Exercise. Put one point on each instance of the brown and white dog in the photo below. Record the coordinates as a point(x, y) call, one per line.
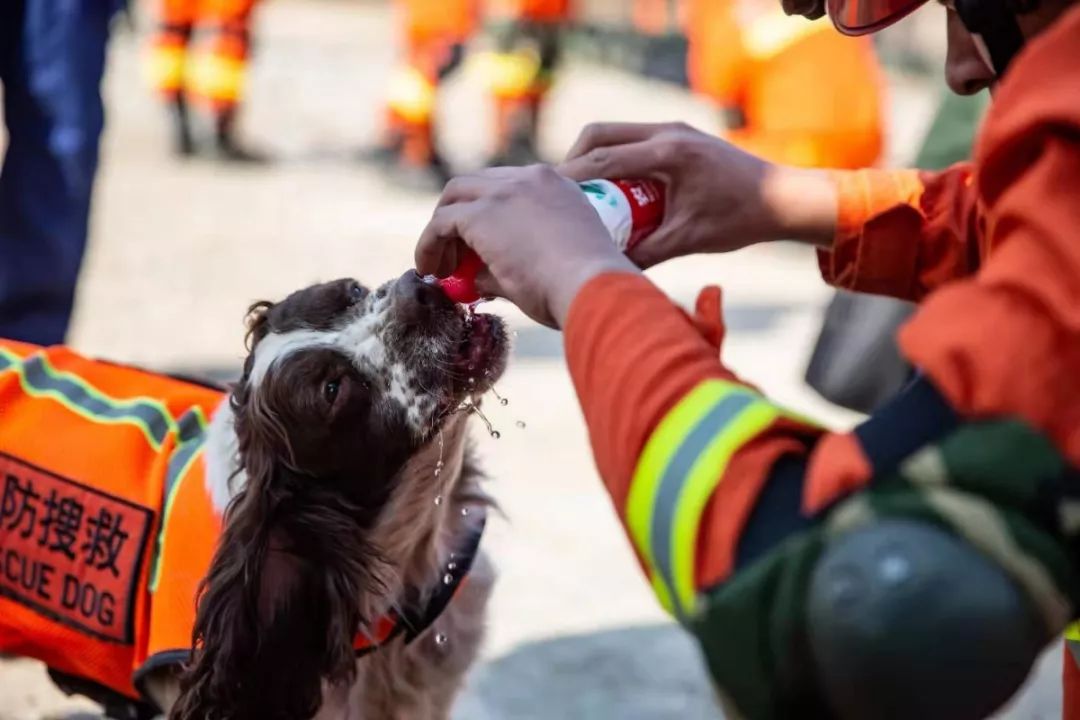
point(353, 501)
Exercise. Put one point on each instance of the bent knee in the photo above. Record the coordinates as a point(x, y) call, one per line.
point(906, 620)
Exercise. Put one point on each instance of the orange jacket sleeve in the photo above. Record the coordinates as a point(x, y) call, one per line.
point(903, 233)
point(1007, 341)
point(634, 356)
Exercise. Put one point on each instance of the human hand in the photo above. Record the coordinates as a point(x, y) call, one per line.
point(538, 236)
point(719, 198)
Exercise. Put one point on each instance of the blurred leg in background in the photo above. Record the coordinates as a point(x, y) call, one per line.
point(520, 72)
point(167, 65)
point(433, 37)
point(52, 56)
point(210, 72)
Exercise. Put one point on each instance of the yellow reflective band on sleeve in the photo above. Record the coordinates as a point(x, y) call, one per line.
point(665, 453)
point(662, 444)
point(1072, 632)
point(698, 487)
point(680, 468)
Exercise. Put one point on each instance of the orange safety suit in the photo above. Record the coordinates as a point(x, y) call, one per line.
point(430, 33)
point(215, 73)
point(520, 71)
point(992, 249)
point(768, 70)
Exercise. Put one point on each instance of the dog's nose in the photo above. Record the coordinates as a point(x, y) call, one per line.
point(414, 297)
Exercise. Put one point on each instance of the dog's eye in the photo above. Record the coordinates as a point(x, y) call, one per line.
point(357, 293)
point(330, 390)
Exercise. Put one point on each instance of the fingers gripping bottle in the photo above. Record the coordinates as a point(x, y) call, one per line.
point(630, 210)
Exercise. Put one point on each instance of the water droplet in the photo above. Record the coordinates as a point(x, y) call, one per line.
point(496, 434)
point(451, 566)
point(440, 639)
point(447, 579)
point(504, 402)
point(520, 424)
point(472, 366)
point(487, 423)
point(440, 463)
point(437, 471)
point(464, 511)
point(438, 499)
point(472, 381)
point(453, 555)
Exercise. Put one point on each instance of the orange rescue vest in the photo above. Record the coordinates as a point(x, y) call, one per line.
point(107, 525)
point(99, 464)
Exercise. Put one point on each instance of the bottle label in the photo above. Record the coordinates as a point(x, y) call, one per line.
point(646, 199)
point(629, 209)
point(614, 209)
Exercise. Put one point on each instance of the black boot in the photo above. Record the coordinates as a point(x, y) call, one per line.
point(430, 177)
point(183, 141)
point(227, 147)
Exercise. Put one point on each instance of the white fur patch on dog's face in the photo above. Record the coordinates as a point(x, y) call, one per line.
point(362, 337)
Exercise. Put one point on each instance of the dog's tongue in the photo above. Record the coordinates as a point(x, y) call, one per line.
point(460, 286)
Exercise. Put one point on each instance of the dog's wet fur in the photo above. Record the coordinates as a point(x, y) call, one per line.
point(327, 455)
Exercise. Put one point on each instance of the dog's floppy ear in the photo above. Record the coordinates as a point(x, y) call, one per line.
point(257, 321)
point(278, 609)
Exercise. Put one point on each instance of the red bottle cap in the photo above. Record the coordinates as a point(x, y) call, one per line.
point(460, 286)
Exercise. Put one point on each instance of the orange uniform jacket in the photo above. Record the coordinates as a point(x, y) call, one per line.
point(437, 21)
point(995, 246)
point(808, 96)
point(106, 526)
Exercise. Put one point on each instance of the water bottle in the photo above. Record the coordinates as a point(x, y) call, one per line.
point(630, 210)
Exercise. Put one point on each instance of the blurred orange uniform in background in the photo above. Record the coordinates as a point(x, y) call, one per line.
point(213, 74)
point(517, 71)
point(432, 34)
point(765, 67)
point(527, 51)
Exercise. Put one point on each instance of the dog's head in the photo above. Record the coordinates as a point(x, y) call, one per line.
point(341, 387)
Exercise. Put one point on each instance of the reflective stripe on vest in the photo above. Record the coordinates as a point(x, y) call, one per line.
point(39, 379)
point(189, 443)
point(681, 466)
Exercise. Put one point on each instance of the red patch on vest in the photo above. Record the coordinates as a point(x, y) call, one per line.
point(70, 552)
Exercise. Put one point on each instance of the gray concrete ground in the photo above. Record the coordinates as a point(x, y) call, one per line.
point(181, 248)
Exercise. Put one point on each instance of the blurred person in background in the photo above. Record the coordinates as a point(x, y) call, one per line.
point(432, 39)
point(521, 68)
point(211, 72)
point(917, 565)
point(517, 69)
point(52, 57)
point(763, 69)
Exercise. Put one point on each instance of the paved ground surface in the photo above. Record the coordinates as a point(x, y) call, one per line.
point(181, 248)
